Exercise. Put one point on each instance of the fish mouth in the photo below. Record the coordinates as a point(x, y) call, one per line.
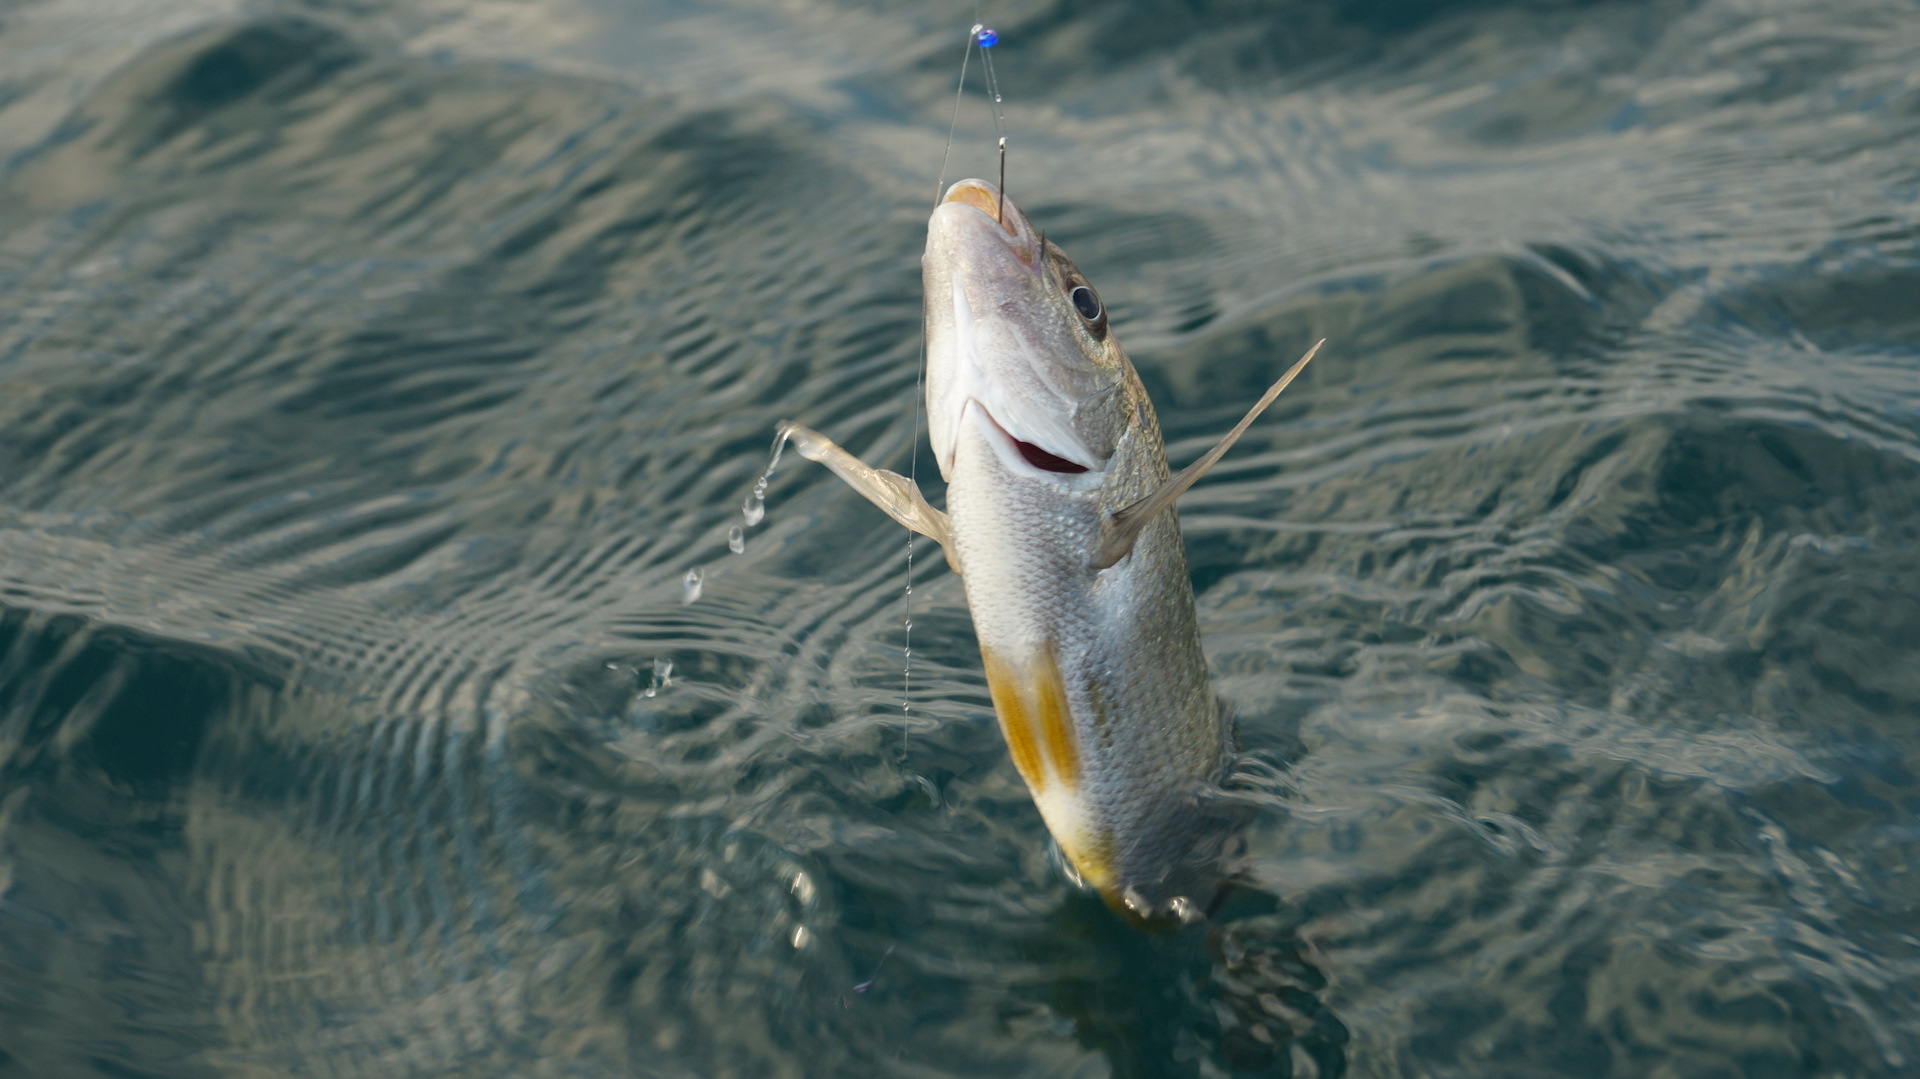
point(979, 195)
point(988, 201)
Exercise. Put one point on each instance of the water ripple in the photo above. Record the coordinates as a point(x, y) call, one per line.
point(370, 381)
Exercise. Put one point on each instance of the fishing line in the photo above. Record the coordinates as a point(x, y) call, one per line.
point(959, 92)
point(986, 38)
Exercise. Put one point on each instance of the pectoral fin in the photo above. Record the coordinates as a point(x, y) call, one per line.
point(895, 494)
point(1122, 528)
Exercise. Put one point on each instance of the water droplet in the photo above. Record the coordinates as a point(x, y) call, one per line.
point(662, 675)
point(754, 509)
point(801, 936)
point(690, 585)
point(736, 540)
point(987, 38)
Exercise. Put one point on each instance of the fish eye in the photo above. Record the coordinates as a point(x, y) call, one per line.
point(1085, 301)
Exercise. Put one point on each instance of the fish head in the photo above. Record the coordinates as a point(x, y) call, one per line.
point(1017, 335)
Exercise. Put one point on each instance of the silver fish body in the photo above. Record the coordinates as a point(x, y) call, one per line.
point(1096, 675)
point(1060, 521)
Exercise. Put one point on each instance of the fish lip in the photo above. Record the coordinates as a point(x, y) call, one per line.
point(982, 198)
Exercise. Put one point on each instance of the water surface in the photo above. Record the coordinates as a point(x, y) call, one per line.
point(372, 376)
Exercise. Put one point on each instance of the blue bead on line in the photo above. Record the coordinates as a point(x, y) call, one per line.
point(987, 38)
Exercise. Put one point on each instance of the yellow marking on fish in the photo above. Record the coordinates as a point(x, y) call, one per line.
point(1056, 720)
point(1010, 704)
point(1090, 848)
point(1031, 701)
point(1095, 864)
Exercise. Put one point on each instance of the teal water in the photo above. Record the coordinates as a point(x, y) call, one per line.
point(371, 376)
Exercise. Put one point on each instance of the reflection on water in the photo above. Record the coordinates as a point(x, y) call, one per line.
point(383, 690)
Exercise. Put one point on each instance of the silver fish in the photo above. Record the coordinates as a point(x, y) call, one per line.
point(1060, 522)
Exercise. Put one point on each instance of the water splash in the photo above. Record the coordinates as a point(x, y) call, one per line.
point(753, 508)
point(662, 676)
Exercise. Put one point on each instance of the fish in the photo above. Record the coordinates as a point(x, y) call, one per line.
point(1060, 521)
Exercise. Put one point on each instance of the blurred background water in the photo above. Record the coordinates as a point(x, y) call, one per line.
point(372, 375)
